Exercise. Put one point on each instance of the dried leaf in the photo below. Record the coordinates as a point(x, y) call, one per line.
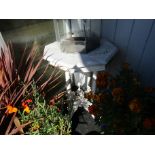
point(18, 125)
point(16, 130)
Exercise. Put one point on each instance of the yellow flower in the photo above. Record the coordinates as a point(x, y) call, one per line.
point(11, 109)
point(27, 109)
point(25, 106)
point(35, 127)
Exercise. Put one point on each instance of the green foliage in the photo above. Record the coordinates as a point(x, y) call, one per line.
point(46, 119)
point(16, 78)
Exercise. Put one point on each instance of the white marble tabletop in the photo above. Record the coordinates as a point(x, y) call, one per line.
point(97, 58)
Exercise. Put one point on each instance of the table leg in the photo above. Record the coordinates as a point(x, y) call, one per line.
point(68, 80)
point(87, 81)
point(94, 78)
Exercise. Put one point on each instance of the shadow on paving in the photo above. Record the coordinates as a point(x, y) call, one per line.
point(83, 123)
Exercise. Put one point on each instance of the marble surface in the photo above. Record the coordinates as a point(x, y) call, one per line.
point(97, 57)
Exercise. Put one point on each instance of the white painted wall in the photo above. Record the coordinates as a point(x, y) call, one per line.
point(136, 41)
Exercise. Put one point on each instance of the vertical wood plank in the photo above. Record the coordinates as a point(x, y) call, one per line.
point(152, 80)
point(123, 33)
point(108, 29)
point(137, 42)
point(147, 66)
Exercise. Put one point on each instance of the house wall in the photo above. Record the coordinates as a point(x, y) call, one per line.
point(136, 41)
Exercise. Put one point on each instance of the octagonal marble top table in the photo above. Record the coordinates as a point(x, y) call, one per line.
point(86, 63)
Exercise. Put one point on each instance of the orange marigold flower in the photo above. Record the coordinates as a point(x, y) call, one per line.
point(104, 83)
point(118, 95)
point(135, 105)
point(153, 121)
point(11, 109)
point(117, 92)
point(102, 79)
point(27, 109)
point(98, 83)
point(24, 105)
point(105, 75)
point(126, 66)
point(149, 90)
point(89, 95)
point(147, 123)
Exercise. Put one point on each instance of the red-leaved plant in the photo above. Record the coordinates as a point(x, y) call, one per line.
point(16, 79)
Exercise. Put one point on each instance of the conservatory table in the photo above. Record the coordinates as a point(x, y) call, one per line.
point(87, 63)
